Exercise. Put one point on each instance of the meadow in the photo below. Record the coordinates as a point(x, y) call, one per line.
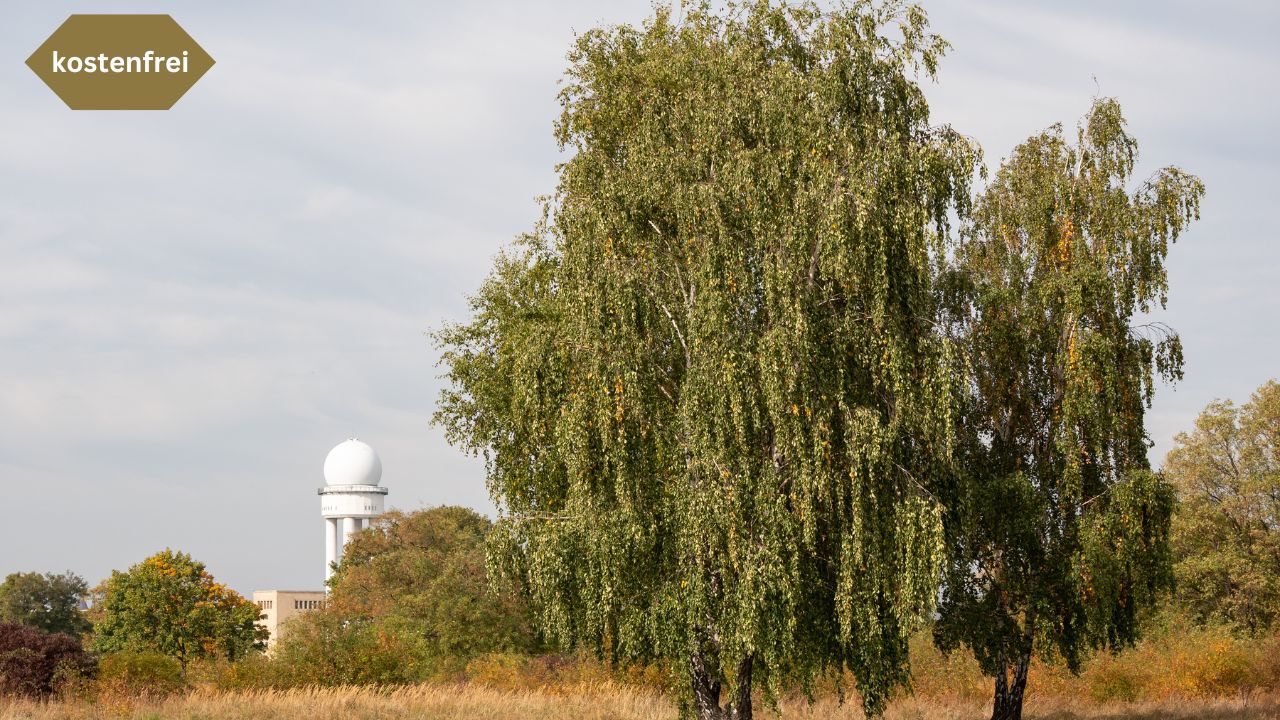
point(1181, 671)
point(600, 702)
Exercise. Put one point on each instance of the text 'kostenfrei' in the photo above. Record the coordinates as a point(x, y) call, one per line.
point(147, 62)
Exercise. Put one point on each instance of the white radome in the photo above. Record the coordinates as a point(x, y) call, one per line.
point(352, 462)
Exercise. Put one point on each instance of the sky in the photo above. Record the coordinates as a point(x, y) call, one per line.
point(196, 305)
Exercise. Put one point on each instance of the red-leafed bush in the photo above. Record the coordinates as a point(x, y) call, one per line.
point(30, 659)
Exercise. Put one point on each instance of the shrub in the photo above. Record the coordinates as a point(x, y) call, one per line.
point(143, 673)
point(255, 671)
point(31, 660)
point(1179, 660)
point(324, 648)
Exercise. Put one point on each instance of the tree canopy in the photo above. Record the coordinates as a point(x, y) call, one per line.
point(1057, 530)
point(409, 601)
point(1226, 534)
point(428, 568)
point(170, 604)
point(45, 601)
point(710, 386)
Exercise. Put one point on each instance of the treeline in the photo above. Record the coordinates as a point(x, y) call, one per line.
point(412, 602)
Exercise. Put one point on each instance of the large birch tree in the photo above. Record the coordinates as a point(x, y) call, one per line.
point(710, 387)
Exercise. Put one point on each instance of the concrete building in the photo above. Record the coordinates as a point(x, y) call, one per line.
point(350, 498)
point(279, 606)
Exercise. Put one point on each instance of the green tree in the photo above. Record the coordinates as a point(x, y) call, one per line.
point(170, 604)
point(426, 570)
point(709, 386)
point(409, 601)
point(1058, 532)
point(1226, 533)
point(45, 601)
point(323, 647)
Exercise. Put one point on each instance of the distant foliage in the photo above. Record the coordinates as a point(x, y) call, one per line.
point(31, 660)
point(410, 600)
point(171, 605)
point(45, 601)
point(1227, 530)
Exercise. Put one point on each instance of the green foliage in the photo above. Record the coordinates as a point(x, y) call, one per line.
point(1176, 659)
point(1124, 561)
point(410, 601)
point(426, 570)
point(255, 671)
point(324, 648)
point(709, 386)
point(1057, 530)
point(1227, 530)
point(139, 673)
point(169, 604)
point(45, 601)
point(31, 660)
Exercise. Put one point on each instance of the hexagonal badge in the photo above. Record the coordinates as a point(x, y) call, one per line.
point(120, 62)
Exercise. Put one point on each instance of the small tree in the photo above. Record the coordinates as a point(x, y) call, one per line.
point(1226, 533)
point(45, 601)
point(1058, 532)
point(409, 601)
point(31, 659)
point(169, 604)
point(426, 569)
point(712, 391)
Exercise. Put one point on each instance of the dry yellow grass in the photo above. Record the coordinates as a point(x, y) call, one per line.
point(602, 702)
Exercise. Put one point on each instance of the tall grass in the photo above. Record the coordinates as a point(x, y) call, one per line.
point(1179, 662)
point(1181, 671)
point(601, 702)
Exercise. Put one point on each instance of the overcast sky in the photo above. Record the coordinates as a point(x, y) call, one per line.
point(196, 305)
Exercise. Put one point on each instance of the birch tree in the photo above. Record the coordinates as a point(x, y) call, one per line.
point(1057, 531)
point(710, 386)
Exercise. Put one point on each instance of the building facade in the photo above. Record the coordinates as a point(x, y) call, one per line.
point(280, 606)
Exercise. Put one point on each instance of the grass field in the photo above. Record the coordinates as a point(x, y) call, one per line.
point(1179, 672)
point(607, 702)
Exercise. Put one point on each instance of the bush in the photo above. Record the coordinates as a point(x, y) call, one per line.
point(140, 674)
point(1178, 660)
point(32, 660)
point(324, 648)
point(255, 671)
